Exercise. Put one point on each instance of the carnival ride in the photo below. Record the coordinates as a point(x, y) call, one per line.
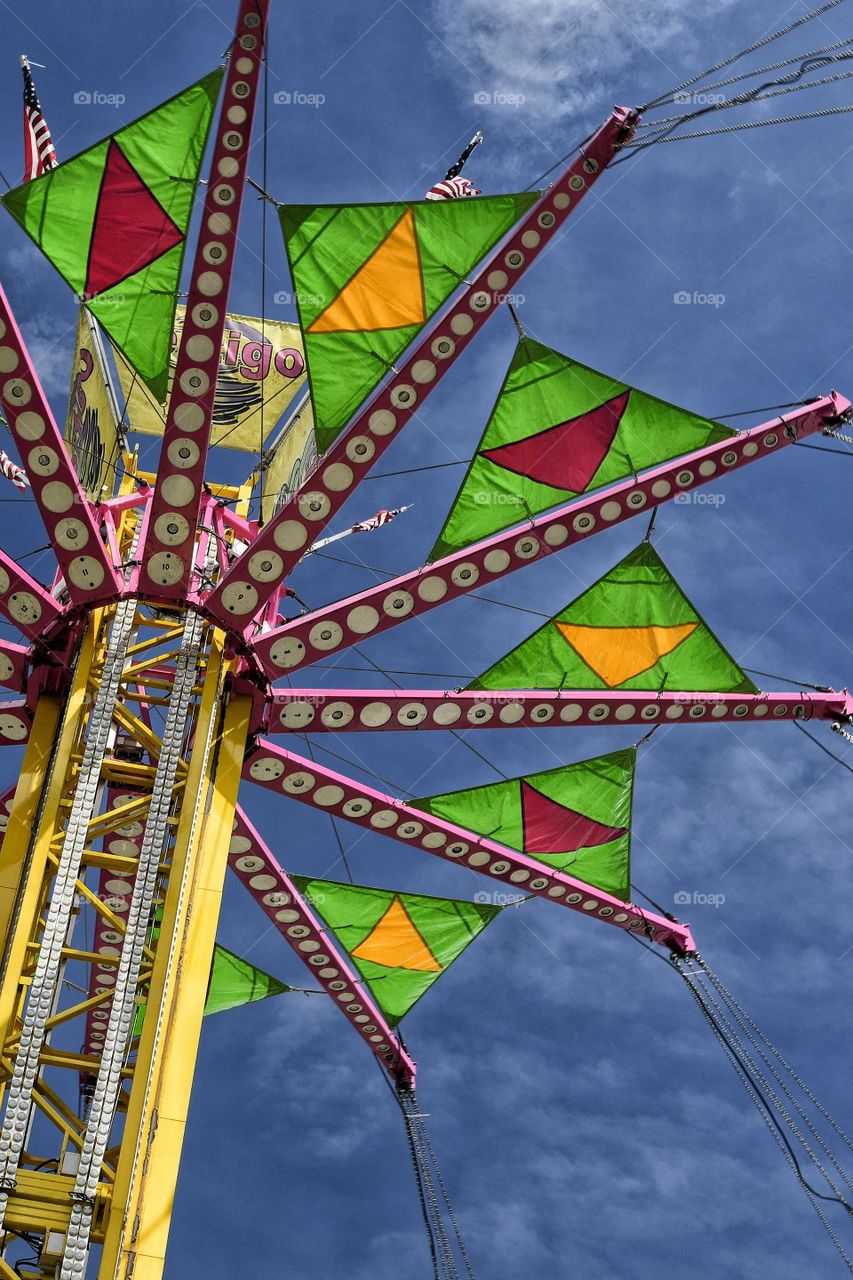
point(149, 689)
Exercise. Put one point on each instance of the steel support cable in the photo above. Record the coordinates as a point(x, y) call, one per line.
point(744, 1049)
point(443, 1264)
point(757, 1041)
point(48, 965)
point(684, 968)
point(744, 53)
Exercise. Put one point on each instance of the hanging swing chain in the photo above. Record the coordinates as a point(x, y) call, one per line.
point(768, 1089)
point(421, 1198)
point(757, 1082)
point(744, 53)
point(416, 1129)
point(769, 1120)
point(425, 1161)
point(735, 1005)
point(757, 71)
point(448, 1205)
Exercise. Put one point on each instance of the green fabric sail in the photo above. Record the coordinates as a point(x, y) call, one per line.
point(113, 220)
point(234, 982)
point(367, 278)
point(399, 942)
point(559, 429)
point(633, 629)
point(575, 818)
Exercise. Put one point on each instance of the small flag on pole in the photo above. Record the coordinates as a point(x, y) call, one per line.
point(39, 154)
point(453, 187)
point(362, 526)
point(13, 472)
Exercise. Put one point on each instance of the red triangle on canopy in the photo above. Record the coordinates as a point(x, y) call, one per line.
point(565, 456)
point(131, 227)
point(550, 827)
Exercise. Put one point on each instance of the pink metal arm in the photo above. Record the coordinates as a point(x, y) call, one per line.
point(13, 665)
point(245, 590)
point(348, 710)
point(253, 862)
point(15, 723)
point(334, 793)
point(348, 621)
point(167, 552)
point(24, 601)
point(65, 510)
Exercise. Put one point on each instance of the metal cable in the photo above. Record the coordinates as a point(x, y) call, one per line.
point(772, 1047)
point(738, 128)
point(765, 1114)
point(760, 71)
point(744, 53)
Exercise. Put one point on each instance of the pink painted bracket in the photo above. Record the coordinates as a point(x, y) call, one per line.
point(313, 784)
point(348, 621)
point(248, 586)
point(16, 721)
point(167, 553)
point(13, 665)
point(25, 602)
point(372, 710)
point(65, 510)
point(255, 865)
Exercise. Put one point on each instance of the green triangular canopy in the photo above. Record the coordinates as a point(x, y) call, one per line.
point(558, 429)
point(399, 942)
point(633, 629)
point(575, 818)
point(368, 277)
point(234, 982)
point(113, 221)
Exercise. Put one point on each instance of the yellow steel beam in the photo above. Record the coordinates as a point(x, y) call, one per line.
point(138, 1224)
point(24, 859)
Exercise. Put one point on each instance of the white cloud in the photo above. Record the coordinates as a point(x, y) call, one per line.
point(561, 55)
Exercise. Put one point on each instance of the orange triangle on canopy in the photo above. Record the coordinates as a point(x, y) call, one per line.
point(616, 654)
point(395, 942)
point(387, 290)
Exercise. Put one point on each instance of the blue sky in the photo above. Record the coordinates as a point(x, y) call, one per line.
point(585, 1118)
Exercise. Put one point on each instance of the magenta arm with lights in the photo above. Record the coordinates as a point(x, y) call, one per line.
point(257, 574)
point(255, 865)
point(348, 621)
point(334, 793)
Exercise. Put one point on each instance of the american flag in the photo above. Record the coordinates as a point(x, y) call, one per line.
point(39, 154)
point(453, 187)
point(13, 472)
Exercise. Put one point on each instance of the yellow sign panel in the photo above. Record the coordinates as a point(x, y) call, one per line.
point(294, 457)
point(261, 369)
point(90, 427)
